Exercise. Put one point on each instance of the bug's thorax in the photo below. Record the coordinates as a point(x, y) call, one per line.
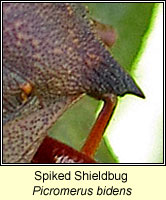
point(51, 56)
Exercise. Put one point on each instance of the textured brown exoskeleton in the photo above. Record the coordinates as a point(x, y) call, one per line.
point(51, 57)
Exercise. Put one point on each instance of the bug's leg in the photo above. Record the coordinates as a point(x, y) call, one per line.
point(106, 32)
point(99, 127)
point(53, 151)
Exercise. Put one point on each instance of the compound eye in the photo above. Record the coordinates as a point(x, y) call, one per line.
point(26, 90)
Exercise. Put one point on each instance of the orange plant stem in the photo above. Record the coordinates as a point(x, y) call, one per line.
point(99, 127)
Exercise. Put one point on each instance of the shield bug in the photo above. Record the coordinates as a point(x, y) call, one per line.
point(52, 56)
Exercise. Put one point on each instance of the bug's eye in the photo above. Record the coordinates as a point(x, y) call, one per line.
point(26, 90)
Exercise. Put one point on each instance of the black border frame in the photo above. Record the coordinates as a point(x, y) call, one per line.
point(97, 164)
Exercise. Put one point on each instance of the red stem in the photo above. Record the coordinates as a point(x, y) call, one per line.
point(99, 127)
point(53, 151)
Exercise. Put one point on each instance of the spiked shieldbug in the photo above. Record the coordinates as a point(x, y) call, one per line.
point(52, 56)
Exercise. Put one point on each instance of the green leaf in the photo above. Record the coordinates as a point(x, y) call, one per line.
point(131, 21)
